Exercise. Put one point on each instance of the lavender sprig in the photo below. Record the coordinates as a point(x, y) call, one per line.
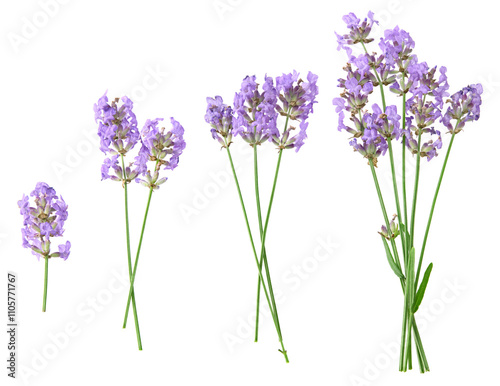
point(254, 118)
point(42, 222)
point(117, 129)
point(423, 90)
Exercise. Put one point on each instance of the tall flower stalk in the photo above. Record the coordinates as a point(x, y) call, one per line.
point(424, 92)
point(42, 222)
point(254, 118)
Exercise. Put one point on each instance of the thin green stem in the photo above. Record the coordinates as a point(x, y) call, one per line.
point(424, 366)
point(403, 281)
point(409, 304)
point(405, 202)
point(45, 282)
point(403, 337)
point(396, 196)
point(384, 212)
point(261, 230)
point(415, 190)
point(433, 206)
point(264, 257)
point(403, 158)
point(129, 259)
point(254, 250)
point(132, 280)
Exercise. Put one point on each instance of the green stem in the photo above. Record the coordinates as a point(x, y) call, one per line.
point(405, 202)
point(403, 337)
point(403, 284)
point(254, 250)
point(129, 259)
point(384, 212)
point(264, 257)
point(132, 279)
point(261, 230)
point(424, 366)
point(410, 269)
point(433, 205)
point(405, 206)
point(45, 282)
point(396, 195)
point(415, 191)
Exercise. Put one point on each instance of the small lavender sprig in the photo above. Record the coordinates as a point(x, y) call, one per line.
point(117, 129)
point(42, 222)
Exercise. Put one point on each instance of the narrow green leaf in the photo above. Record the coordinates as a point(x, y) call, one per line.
point(390, 259)
point(421, 290)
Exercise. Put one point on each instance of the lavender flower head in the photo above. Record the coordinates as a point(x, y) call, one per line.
point(257, 114)
point(297, 100)
point(43, 221)
point(119, 134)
point(220, 117)
point(160, 147)
point(358, 31)
point(397, 46)
point(117, 125)
point(464, 107)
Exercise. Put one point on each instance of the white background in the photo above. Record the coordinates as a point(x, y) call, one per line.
point(196, 280)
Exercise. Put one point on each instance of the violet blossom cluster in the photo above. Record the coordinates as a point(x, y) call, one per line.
point(119, 134)
point(44, 221)
point(464, 107)
point(424, 88)
point(254, 116)
point(160, 147)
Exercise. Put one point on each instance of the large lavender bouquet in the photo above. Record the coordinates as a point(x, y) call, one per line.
point(119, 134)
point(41, 223)
point(422, 93)
point(254, 118)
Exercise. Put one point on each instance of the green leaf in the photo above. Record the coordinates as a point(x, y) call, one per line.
point(390, 259)
point(421, 290)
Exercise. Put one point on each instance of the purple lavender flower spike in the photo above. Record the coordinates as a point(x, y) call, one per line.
point(160, 147)
point(256, 113)
point(297, 101)
point(118, 132)
point(43, 221)
point(397, 46)
point(358, 31)
point(117, 125)
point(221, 118)
point(464, 107)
